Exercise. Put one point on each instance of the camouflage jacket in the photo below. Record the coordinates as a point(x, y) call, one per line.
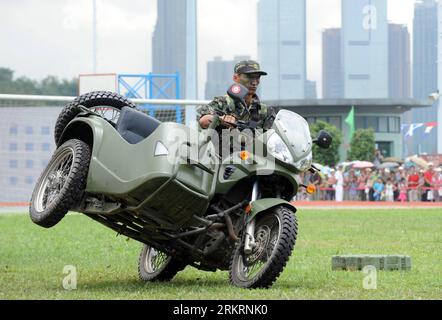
point(256, 111)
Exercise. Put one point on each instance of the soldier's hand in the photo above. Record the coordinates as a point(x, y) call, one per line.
point(229, 120)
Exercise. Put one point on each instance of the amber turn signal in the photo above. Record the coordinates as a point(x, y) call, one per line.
point(311, 189)
point(244, 155)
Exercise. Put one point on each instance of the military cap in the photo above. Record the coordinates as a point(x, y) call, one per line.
point(248, 66)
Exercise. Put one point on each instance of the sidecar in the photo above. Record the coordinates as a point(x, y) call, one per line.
point(138, 166)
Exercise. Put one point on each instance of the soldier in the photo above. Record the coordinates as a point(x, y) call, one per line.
point(248, 74)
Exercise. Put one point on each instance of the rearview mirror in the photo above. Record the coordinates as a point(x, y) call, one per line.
point(237, 91)
point(323, 140)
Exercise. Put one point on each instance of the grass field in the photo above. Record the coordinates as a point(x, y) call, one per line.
point(32, 260)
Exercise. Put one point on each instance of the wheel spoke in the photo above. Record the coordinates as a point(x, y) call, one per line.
point(155, 260)
point(55, 179)
point(109, 113)
point(266, 237)
point(67, 165)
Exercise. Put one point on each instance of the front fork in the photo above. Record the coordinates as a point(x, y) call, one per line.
point(249, 242)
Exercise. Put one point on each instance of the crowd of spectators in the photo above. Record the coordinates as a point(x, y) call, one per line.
point(371, 184)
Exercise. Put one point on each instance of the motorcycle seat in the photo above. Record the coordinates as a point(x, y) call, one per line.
point(134, 126)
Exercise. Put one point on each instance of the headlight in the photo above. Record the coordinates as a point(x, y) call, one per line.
point(304, 164)
point(279, 149)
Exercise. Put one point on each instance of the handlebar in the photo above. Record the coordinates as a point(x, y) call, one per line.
point(242, 125)
point(314, 169)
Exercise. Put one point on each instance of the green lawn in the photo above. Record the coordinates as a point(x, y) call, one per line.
point(32, 260)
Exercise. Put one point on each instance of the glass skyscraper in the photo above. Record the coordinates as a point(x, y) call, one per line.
point(332, 86)
point(364, 52)
point(399, 62)
point(220, 76)
point(282, 48)
point(174, 43)
point(424, 76)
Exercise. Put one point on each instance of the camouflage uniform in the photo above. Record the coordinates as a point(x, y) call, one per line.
point(257, 112)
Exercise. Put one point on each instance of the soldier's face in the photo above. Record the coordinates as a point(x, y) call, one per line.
point(250, 81)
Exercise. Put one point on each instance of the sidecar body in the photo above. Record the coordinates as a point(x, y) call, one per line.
point(144, 165)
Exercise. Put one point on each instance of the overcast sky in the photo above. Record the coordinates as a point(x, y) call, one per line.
point(54, 37)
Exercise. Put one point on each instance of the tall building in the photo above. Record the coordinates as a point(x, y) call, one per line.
point(424, 76)
point(174, 44)
point(282, 48)
point(399, 62)
point(424, 48)
point(364, 48)
point(219, 75)
point(310, 90)
point(332, 85)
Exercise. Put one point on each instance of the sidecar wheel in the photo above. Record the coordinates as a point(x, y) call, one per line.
point(275, 237)
point(155, 265)
point(106, 103)
point(61, 185)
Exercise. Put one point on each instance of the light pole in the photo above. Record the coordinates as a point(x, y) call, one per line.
point(94, 36)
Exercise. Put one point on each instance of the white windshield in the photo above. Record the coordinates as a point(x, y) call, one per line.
point(294, 130)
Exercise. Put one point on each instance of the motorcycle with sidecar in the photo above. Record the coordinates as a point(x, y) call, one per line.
point(165, 185)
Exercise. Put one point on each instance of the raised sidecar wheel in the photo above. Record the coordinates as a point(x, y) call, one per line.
point(275, 237)
point(155, 265)
point(106, 103)
point(61, 185)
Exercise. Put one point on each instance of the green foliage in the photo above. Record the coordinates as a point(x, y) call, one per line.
point(48, 86)
point(330, 156)
point(362, 145)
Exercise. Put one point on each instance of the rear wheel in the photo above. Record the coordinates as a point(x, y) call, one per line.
point(155, 265)
point(107, 104)
point(275, 237)
point(61, 185)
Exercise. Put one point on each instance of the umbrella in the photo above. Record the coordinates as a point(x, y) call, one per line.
point(346, 165)
point(419, 161)
point(362, 164)
point(393, 159)
point(388, 165)
point(410, 164)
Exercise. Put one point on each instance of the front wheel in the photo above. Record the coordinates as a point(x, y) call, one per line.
point(61, 185)
point(155, 265)
point(275, 237)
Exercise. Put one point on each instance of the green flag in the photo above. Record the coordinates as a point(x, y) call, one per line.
point(350, 120)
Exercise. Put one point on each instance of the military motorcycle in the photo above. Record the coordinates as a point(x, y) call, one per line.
point(165, 185)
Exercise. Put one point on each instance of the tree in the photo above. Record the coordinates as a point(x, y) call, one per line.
point(6, 80)
point(330, 156)
point(48, 86)
point(362, 145)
